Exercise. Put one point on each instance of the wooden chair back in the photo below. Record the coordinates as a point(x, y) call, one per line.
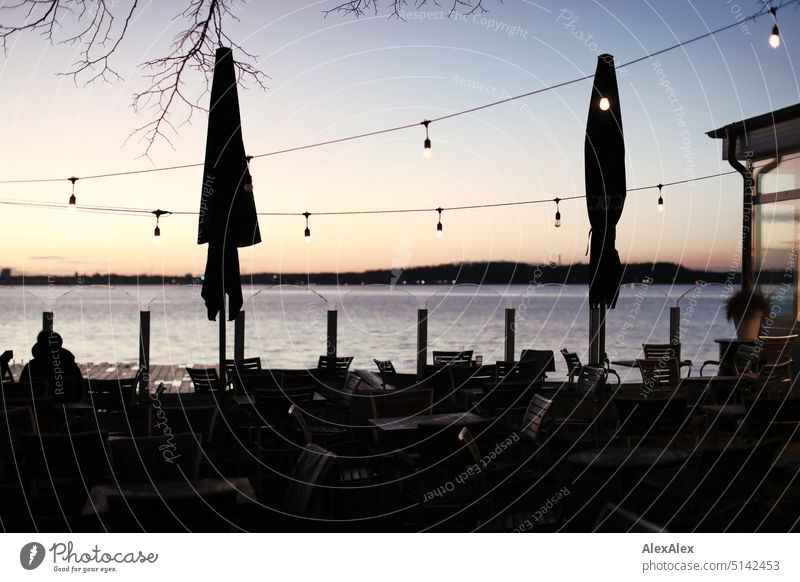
point(302, 424)
point(157, 459)
point(776, 349)
point(5, 368)
point(76, 455)
point(25, 391)
point(591, 379)
point(204, 379)
point(661, 351)
point(307, 481)
point(236, 368)
point(459, 358)
point(661, 372)
point(387, 371)
point(111, 395)
point(573, 362)
point(527, 372)
point(534, 416)
point(545, 357)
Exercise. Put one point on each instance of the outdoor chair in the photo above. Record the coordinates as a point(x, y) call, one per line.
point(390, 376)
point(587, 413)
point(545, 358)
point(336, 367)
point(524, 372)
point(459, 358)
point(659, 373)
point(316, 433)
point(574, 366)
point(113, 403)
point(5, 368)
point(773, 417)
point(235, 369)
point(204, 379)
point(61, 468)
point(753, 377)
point(144, 459)
point(534, 417)
point(666, 351)
point(307, 494)
point(33, 395)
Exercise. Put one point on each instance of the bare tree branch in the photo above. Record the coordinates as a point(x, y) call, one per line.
point(99, 34)
point(359, 8)
point(193, 49)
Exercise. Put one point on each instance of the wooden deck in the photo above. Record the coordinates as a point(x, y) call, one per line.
point(174, 376)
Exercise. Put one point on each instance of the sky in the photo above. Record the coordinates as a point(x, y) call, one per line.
point(339, 75)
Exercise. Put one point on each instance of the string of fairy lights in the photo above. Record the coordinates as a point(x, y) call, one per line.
point(603, 104)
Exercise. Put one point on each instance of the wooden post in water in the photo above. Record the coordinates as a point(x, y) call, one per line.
point(422, 341)
point(333, 331)
point(238, 336)
point(675, 326)
point(144, 353)
point(511, 316)
point(47, 320)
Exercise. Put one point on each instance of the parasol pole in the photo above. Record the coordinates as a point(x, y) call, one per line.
point(222, 380)
point(597, 335)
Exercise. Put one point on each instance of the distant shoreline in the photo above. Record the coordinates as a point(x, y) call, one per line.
point(496, 273)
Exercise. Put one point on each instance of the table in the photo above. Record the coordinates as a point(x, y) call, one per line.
point(613, 458)
point(249, 398)
point(626, 363)
point(401, 423)
point(98, 497)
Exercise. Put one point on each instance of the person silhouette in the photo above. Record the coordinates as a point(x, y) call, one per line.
point(55, 365)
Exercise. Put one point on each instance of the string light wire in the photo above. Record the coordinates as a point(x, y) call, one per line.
point(737, 23)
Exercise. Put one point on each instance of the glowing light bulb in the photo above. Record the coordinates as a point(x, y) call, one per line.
point(426, 152)
point(71, 207)
point(558, 219)
point(660, 204)
point(307, 236)
point(157, 236)
point(439, 231)
point(775, 37)
point(605, 104)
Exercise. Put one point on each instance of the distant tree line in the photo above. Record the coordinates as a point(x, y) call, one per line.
point(494, 273)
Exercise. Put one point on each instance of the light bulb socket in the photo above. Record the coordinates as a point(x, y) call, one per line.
point(307, 233)
point(775, 37)
point(72, 200)
point(157, 231)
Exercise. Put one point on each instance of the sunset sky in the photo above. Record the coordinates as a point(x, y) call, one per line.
point(335, 76)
